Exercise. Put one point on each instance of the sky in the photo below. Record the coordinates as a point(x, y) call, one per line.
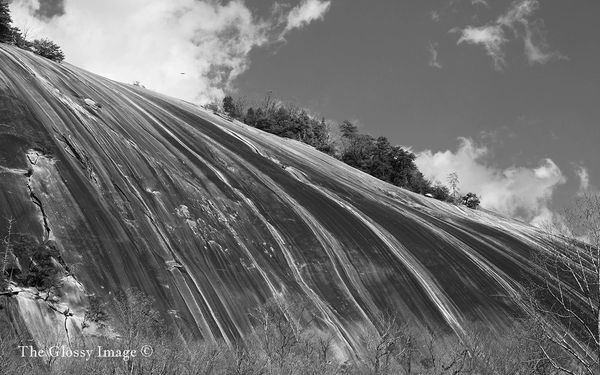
point(506, 93)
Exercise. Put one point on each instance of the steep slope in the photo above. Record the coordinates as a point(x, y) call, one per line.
point(212, 217)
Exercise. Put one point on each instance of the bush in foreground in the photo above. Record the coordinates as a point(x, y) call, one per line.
point(287, 339)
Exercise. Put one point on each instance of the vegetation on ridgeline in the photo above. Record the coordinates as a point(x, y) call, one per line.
point(375, 156)
point(48, 49)
point(13, 35)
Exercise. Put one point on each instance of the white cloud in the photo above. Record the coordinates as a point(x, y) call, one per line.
point(537, 49)
point(516, 20)
point(480, 2)
point(517, 191)
point(435, 16)
point(306, 12)
point(433, 56)
point(490, 37)
point(518, 12)
point(191, 49)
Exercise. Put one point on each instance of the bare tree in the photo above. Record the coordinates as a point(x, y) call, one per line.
point(269, 104)
point(391, 350)
point(277, 328)
point(569, 300)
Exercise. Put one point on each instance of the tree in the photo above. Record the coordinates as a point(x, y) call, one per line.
point(19, 38)
point(348, 129)
point(567, 304)
point(358, 151)
point(440, 192)
point(250, 117)
point(470, 200)
point(453, 182)
point(404, 170)
point(381, 164)
point(95, 313)
point(228, 106)
point(284, 339)
point(135, 318)
point(269, 104)
point(48, 49)
point(240, 104)
point(392, 349)
point(321, 136)
point(5, 21)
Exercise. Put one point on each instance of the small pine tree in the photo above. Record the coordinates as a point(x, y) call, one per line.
point(48, 49)
point(453, 182)
point(6, 35)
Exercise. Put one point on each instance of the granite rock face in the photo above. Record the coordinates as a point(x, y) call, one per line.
point(212, 217)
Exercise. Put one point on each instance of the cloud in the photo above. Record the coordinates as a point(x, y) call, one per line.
point(515, 21)
point(480, 2)
point(518, 12)
point(50, 8)
point(517, 191)
point(435, 16)
point(433, 56)
point(191, 49)
point(490, 37)
point(537, 49)
point(306, 12)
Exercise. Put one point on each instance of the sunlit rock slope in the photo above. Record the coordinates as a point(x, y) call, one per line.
point(212, 217)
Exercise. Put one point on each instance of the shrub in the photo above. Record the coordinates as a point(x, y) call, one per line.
point(48, 49)
point(135, 317)
point(95, 313)
point(19, 39)
point(213, 106)
point(440, 192)
point(287, 338)
point(35, 265)
point(470, 200)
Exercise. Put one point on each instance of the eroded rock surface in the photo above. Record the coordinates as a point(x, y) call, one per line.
point(213, 217)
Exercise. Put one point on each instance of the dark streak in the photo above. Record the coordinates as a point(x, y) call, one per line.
point(122, 192)
point(37, 201)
